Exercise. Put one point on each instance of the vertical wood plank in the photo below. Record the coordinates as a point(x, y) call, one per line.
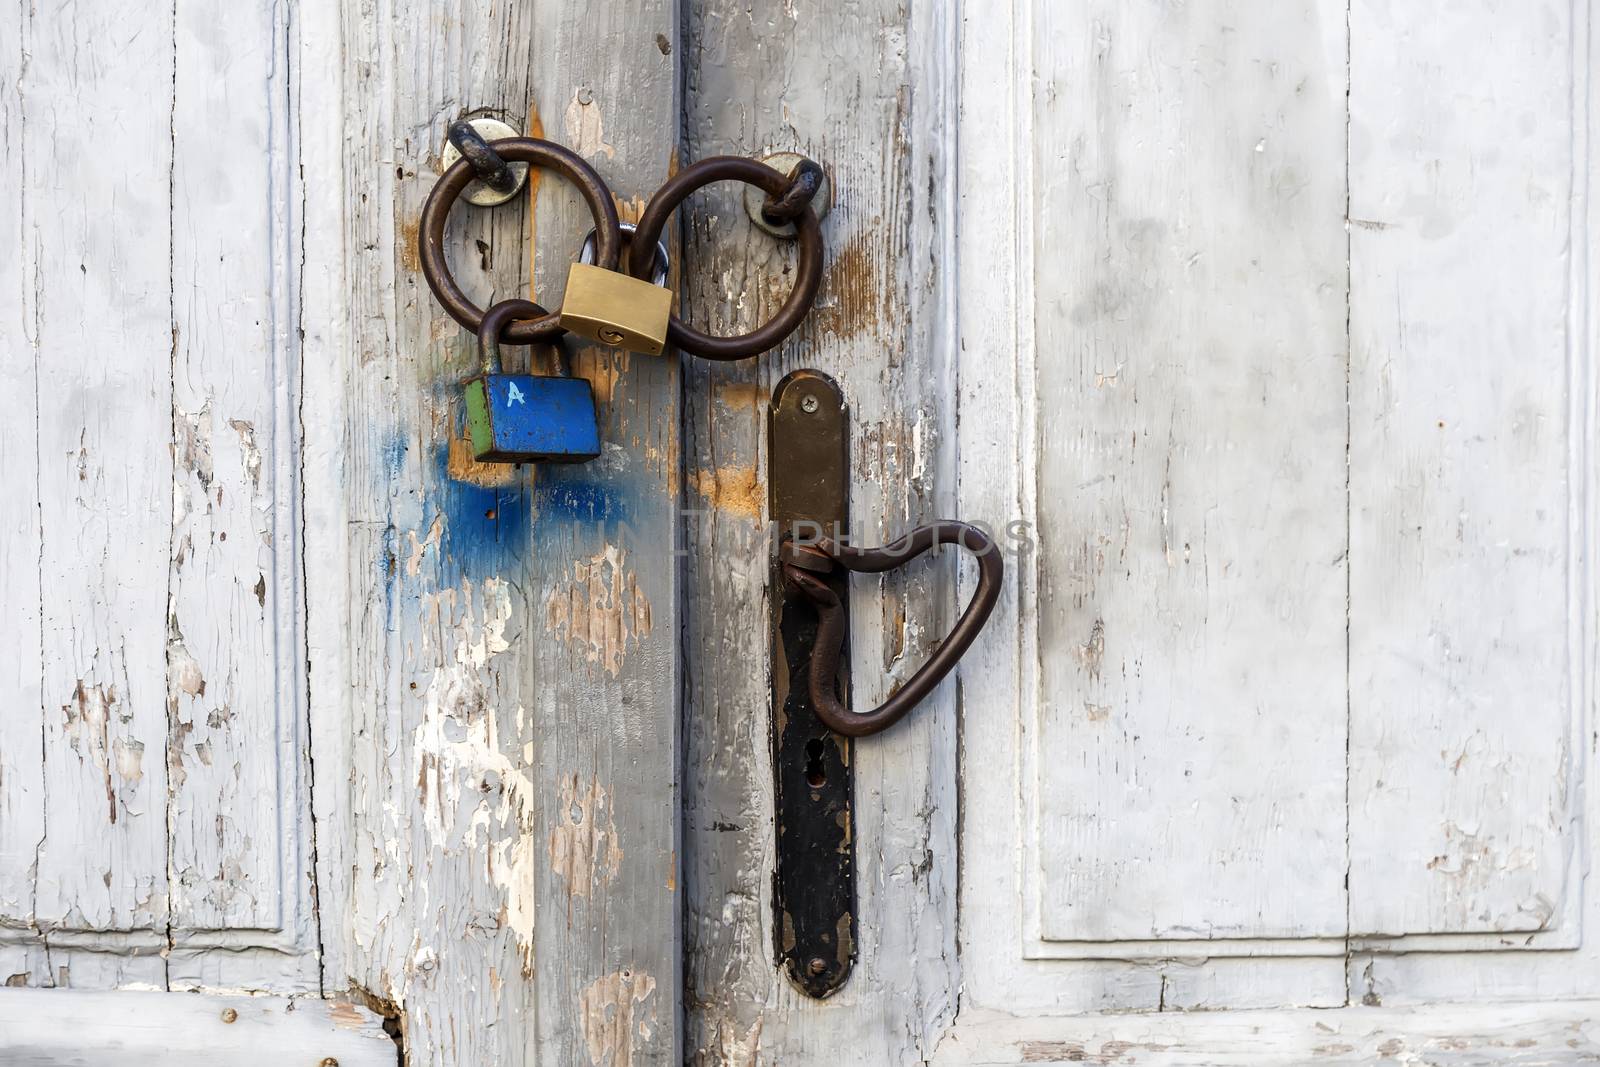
point(233, 780)
point(97, 171)
point(21, 725)
point(425, 816)
point(602, 672)
point(499, 817)
point(864, 89)
point(1468, 462)
point(1189, 304)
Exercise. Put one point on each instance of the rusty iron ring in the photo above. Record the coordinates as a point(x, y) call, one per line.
point(805, 181)
point(824, 685)
point(436, 210)
point(808, 275)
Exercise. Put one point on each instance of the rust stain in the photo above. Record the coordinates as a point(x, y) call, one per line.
point(733, 489)
point(739, 396)
point(535, 176)
point(410, 254)
point(855, 287)
point(583, 843)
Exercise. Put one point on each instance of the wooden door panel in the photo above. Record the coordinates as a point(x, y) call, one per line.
point(1186, 772)
point(155, 800)
point(494, 667)
point(1469, 472)
point(1310, 600)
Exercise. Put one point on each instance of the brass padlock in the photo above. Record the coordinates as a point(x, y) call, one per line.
point(618, 309)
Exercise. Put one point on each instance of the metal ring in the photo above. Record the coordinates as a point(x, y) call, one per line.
point(808, 276)
point(495, 321)
point(662, 263)
point(436, 210)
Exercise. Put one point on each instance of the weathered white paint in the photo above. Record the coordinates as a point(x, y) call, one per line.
point(100, 78)
point(46, 1028)
point(493, 670)
point(1189, 413)
point(1469, 470)
point(1547, 1034)
point(1490, 316)
point(155, 807)
point(867, 89)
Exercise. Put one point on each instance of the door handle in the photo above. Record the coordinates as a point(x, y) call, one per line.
point(802, 562)
point(814, 897)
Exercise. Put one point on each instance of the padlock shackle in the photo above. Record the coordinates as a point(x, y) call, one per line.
point(496, 321)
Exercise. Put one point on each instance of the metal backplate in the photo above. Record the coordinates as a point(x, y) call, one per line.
point(815, 883)
point(479, 194)
point(783, 163)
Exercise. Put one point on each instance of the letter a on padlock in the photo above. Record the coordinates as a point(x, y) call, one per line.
point(526, 418)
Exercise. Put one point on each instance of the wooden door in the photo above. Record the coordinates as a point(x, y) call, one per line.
point(307, 714)
point(1270, 326)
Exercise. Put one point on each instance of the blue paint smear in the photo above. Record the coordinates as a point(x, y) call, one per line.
point(565, 495)
point(487, 532)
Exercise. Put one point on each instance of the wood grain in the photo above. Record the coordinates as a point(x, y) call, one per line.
point(51, 1028)
point(496, 814)
point(863, 88)
point(149, 471)
point(1552, 1033)
point(1190, 472)
point(1469, 472)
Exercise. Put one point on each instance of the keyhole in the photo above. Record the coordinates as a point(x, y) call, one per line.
point(815, 775)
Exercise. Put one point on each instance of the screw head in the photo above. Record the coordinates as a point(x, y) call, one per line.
point(809, 404)
point(229, 1015)
point(328, 1061)
point(817, 965)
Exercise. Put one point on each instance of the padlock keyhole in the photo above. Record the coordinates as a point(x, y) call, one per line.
point(816, 775)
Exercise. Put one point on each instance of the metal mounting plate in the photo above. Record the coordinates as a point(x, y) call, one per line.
point(814, 897)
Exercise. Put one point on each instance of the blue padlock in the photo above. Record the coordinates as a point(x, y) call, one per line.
point(526, 418)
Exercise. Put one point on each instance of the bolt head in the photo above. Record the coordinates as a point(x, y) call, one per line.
point(809, 404)
point(229, 1015)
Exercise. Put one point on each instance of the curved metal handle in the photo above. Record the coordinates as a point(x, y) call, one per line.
point(800, 563)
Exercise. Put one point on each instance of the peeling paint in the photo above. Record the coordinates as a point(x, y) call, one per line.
point(471, 793)
point(586, 127)
point(734, 489)
point(129, 759)
point(584, 851)
point(252, 453)
point(602, 611)
point(615, 1018)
